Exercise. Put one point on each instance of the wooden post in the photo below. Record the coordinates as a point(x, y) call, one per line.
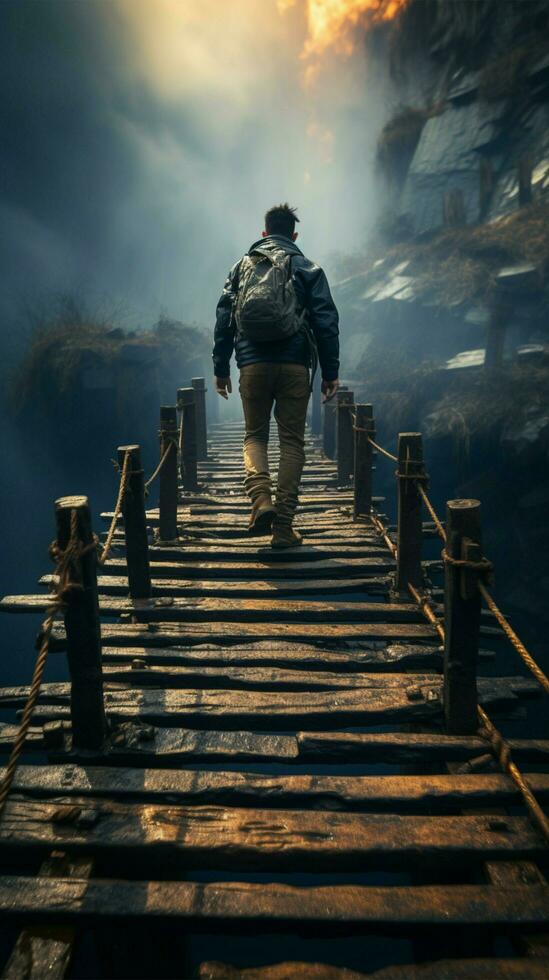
point(187, 406)
point(329, 429)
point(410, 524)
point(461, 617)
point(89, 724)
point(168, 475)
point(344, 436)
point(135, 525)
point(199, 386)
point(316, 420)
point(364, 429)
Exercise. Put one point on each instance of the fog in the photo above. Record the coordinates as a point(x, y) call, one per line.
point(143, 141)
point(146, 140)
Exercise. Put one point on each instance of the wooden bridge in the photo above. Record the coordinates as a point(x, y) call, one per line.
point(279, 748)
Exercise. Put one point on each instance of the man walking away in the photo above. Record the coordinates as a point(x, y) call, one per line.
point(277, 313)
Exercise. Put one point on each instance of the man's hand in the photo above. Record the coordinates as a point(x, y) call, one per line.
point(223, 387)
point(329, 389)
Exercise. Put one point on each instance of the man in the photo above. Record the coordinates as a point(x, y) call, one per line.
point(277, 313)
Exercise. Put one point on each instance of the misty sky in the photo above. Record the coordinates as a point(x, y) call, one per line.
point(142, 141)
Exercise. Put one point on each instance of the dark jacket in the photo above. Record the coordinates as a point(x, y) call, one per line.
point(313, 294)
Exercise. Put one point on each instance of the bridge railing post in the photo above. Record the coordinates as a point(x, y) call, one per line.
point(410, 523)
point(168, 475)
point(135, 525)
point(364, 429)
point(329, 429)
point(82, 625)
point(462, 606)
point(188, 442)
point(199, 385)
point(316, 413)
point(344, 436)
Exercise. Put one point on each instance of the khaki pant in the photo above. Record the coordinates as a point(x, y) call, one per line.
point(287, 386)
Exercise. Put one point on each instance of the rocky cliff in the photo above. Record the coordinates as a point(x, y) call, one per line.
point(446, 313)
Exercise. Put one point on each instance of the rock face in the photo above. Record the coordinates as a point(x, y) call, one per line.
point(447, 160)
point(462, 265)
point(491, 120)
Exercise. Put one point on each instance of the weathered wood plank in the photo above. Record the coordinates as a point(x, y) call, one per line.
point(469, 969)
point(252, 677)
point(234, 610)
point(374, 657)
point(238, 708)
point(222, 837)
point(173, 746)
point(162, 747)
point(312, 550)
point(118, 586)
point(267, 710)
point(245, 570)
point(168, 634)
point(40, 952)
point(274, 905)
point(438, 792)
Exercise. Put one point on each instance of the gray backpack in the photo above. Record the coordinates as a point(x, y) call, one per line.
point(266, 306)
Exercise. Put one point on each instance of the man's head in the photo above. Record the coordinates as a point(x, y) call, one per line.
point(280, 220)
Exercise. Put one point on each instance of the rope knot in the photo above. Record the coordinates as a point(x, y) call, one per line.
point(483, 566)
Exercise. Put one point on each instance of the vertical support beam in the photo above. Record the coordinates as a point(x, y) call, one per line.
point(199, 386)
point(187, 406)
point(344, 436)
point(168, 475)
point(89, 724)
point(461, 617)
point(410, 525)
point(316, 414)
point(365, 428)
point(329, 428)
point(135, 525)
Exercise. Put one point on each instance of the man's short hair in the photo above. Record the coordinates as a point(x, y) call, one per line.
point(280, 220)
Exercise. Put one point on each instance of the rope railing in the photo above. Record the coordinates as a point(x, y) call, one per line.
point(487, 729)
point(163, 458)
point(384, 452)
point(124, 476)
point(65, 561)
point(483, 566)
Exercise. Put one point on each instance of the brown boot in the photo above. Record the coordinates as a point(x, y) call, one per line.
point(261, 518)
point(284, 536)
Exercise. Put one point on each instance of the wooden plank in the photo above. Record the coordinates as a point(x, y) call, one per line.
point(451, 969)
point(374, 657)
point(271, 906)
point(248, 549)
point(168, 634)
point(252, 677)
point(238, 709)
point(408, 747)
point(313, 550)
point(118, 586)
point(174, 746)
point(40, 952)
point(161, 747)
point(231, 838)
point(434, 792)
point(245, 570)
point(491, 689)
point(234, 610)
